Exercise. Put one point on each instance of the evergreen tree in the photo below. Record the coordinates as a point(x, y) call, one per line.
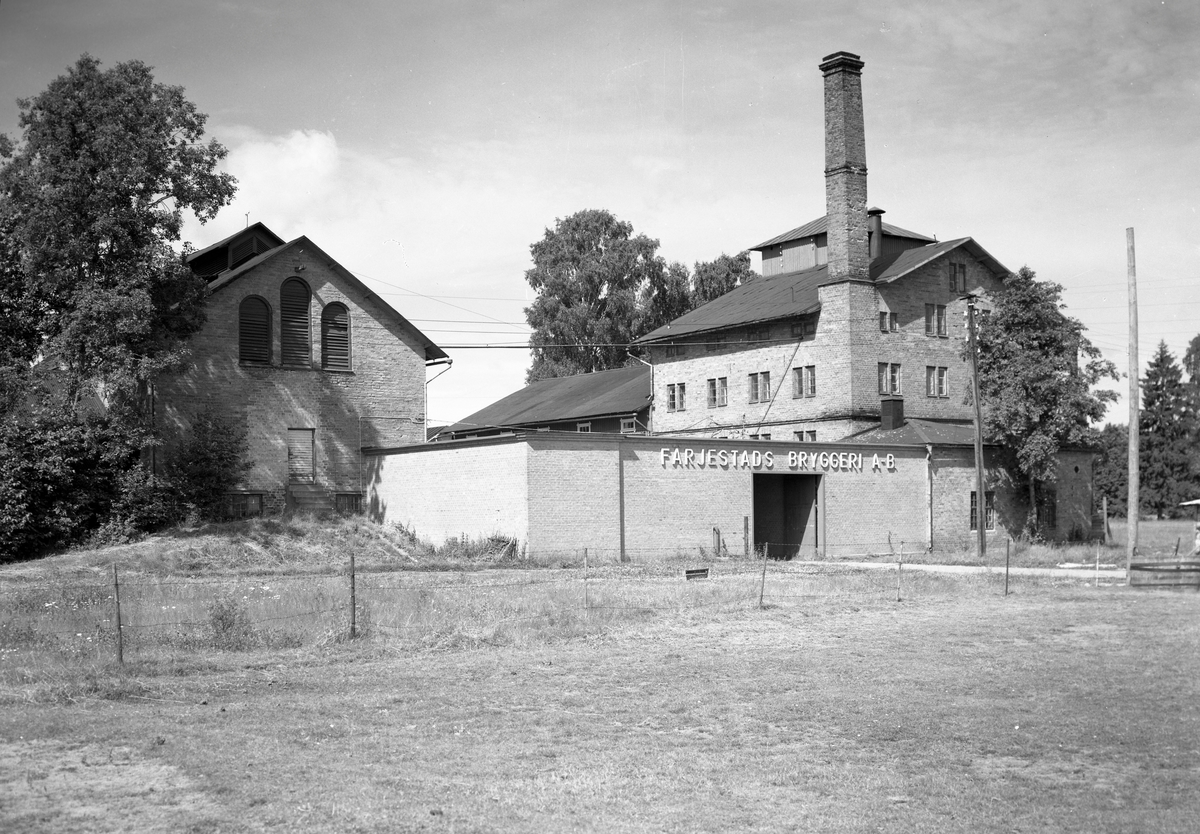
point(1167, 432)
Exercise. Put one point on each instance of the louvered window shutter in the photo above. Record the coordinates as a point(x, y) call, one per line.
point(254, 331)
point(294, 329)
point(335, 337)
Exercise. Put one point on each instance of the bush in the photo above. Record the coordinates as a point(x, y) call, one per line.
point(209, 463)
point(231, 627)
point(60, 476)
point(144, 502)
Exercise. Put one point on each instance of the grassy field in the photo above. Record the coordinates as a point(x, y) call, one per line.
point(1059, 708)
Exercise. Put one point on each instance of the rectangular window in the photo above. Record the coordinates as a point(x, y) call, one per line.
point(583, 427)
point(718, 392)
point(958, 278)
point(1048, 512)
point(347, 503)
point(806, 329)
point(758, 334)
point(675, 396)
point(676, 350)
point(889, 377)
point(804, 381)
point(762, 436)
point(989, 510)
point(936, 384)
point(888, 322)
point(806, 436)
point(628, 425)
point(714, 342)
point(243, 505)
point(935, 319)
point(760, 387)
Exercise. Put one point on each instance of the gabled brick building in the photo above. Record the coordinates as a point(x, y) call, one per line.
point(850, 310)
point(314, 364)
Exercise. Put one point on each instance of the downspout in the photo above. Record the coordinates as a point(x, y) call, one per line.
point(929, 479)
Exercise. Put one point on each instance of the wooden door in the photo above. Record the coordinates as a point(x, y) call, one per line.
point(300, 456)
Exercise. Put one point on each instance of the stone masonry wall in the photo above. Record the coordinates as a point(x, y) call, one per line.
point(380, 402)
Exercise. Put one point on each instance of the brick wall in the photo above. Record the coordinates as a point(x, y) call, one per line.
point(380, 402)
point(452, 488)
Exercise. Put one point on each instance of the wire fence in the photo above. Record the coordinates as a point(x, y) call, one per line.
point(148, 616)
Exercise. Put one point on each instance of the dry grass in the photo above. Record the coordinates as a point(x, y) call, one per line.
point(835, 709)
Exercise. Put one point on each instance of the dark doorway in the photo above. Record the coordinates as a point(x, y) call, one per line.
point(785, 514)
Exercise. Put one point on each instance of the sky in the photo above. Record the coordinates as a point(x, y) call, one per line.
point(426, 145)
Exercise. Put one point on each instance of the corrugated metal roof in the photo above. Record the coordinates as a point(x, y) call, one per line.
point(432, 351)
point(820, 226)
point(602, 394)
point(763, 299)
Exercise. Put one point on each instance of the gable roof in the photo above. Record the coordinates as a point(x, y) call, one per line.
point(601, 394)
point(433, 353)
point(792, 294)
point(255, 227)
point(820, 226)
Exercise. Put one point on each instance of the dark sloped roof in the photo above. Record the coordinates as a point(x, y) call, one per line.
point(916, 431)
point(820, 226)
point(253, 227)
point(791, 294)
point(885, 270)
point(602, 394)
point(432, 351)
point(763, 299)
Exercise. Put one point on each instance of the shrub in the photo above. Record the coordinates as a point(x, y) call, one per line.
point(209, 463)
point(231, 627)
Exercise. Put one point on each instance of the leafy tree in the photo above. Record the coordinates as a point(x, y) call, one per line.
point(666, 296)
point(1036, 378)
point(91, 200)
point(1111, 473)
point(712, 279)
point(95, 301)
point(1167, 431)
point(1191, 363)
point(588, 271)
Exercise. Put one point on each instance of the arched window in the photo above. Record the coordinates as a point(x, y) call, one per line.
point(294, 331)
point(335, 337)
point(254, 331)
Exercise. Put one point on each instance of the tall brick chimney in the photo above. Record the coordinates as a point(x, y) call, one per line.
point(845, 168)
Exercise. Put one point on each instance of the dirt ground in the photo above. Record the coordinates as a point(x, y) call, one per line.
point(1066, 709)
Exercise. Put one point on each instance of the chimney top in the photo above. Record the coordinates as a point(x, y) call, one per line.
point(871, 212)
point(841, 60)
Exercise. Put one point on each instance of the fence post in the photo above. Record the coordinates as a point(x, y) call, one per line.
point(117, 600)
point(746, 536)
point(586, 603)
point(762, 588)
point(899, 568)
point(1097, 564)
point(1007, 548)
point(353, 602)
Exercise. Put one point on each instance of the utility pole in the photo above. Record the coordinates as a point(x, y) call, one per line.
point(1131, 513)
point(981, 496)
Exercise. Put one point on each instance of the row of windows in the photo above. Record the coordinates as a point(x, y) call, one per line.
point(295, 331)
point(935, 321)
point(1047, 510)
point(937, 379)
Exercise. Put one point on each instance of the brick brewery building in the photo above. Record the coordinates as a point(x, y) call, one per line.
point(309, 360)
point(818, 408)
